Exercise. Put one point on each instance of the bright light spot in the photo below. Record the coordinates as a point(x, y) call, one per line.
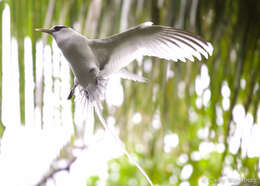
point(205, 79)
point(148, 23)
point(243, 83)
point(227, 181)
point(31, 144)
point(206, 97)
point(193, 116)
point(170, 141)
point(111, 120)
point(212, 134)
point(137, 118)
point(234, 144)
point(230, 176)
point(204, 71)
point(229, 160)
point(203, 181)
point(198, 86)
point(139, 148)
point(185, 183)
point(198, 102)
point(219, 113)
point(183, 158)
point(181, 89)
point(221, 138)
point(115, 167)
point(258, 115)
point(10, 74)
point(225, 104)
point(48, 94)
point(115, 171)
point(238, 113)
point(39, 74)
point(249, 119)
point(248, 145)
point(253, 150)
point(169, 167)
point(132, 182)
point(139, 60)
point(148, 65)
point(160, 3)
point(196, 156)
point(62, 178)
point(94, 159)
point(242, 127)
point(147, 135)
point(173, 179)
point(77, 26)
point(156, 123)
point(140, 73)
point(225, 91)
point(186, 172)
point(155, 89)
point(205, 148)
point(201, 84)
point(169, 72)
point(114, 92)
point(29, 82)
point(220, 147)
point(203, 133)
point(10, 95)
point(233, 55)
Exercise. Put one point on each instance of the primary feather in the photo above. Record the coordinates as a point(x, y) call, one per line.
point(116, 52)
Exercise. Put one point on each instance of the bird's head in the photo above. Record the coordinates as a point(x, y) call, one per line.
point(55, 30)
point(59, 32)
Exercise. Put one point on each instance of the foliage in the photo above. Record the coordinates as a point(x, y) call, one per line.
point(233, 29)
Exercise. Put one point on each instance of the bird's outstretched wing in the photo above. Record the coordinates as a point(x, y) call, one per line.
point(117, 51)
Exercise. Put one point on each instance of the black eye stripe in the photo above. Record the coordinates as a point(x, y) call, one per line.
point(57, 28)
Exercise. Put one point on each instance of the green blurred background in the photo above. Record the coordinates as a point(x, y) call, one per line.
point(193, 104)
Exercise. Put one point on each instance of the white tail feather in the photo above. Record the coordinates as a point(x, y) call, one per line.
point(121, 144)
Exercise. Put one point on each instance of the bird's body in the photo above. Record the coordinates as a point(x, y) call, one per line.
point(93, 61)
point(80, 56)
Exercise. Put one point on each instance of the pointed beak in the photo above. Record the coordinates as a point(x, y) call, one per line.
point(49, 31)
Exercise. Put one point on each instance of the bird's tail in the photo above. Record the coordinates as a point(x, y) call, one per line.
point(93, 96)
point(94, 93)
point(122, 146)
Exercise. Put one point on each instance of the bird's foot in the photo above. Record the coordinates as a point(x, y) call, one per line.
point(72, 92)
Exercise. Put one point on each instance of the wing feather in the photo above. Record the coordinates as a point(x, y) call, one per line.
point(116, 52)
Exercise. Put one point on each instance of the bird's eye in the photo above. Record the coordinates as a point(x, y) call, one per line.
point(57, 28)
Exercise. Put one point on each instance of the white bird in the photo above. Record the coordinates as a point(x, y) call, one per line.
point(93, 61)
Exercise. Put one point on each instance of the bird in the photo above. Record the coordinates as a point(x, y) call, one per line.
point(94, 61)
